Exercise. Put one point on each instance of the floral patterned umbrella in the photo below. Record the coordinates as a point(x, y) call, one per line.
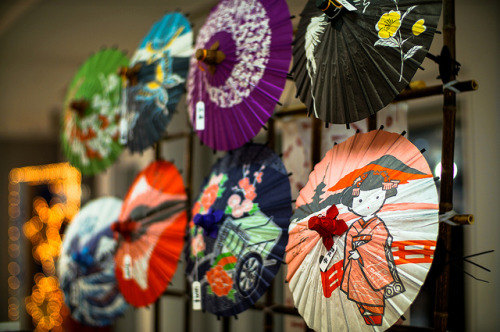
point(156, 80)
point(90, 130)
point(363, 236)
point(239, 230)
point(150, 232)
point(86, 266)
point(243, 55)
point(351, 58)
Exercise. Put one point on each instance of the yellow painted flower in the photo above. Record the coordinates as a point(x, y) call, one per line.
point(418, 27)
point(389, 24)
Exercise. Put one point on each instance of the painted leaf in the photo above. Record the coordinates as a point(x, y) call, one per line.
point(389, 42)
point(412, 52)
point(254, 209)
point(407, 12)
point(231, 295)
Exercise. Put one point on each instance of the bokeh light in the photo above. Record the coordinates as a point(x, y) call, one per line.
point(43, 231)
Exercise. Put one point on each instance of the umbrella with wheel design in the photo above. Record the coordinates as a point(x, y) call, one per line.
point(239, 230)
point(352, 57)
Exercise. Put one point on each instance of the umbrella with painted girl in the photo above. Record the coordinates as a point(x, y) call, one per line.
point(373, 204)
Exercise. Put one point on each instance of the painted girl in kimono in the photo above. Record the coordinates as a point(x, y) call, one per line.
point(370, 274)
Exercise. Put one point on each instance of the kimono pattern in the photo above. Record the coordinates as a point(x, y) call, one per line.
point(373, 276)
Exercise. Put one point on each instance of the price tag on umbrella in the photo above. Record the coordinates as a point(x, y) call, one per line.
point(74, 297)
point(200, 115)
point(127, 267)
point(196, 288)
point(347, 5)
point(325, 261)
point(123, 130)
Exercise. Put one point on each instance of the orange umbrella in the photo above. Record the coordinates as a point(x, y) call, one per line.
point(150, 230)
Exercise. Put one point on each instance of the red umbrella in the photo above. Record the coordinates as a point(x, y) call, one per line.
point(151, 231)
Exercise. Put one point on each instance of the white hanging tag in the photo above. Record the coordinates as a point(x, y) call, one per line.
point(347, 5)
point(123, 130)
point(127, 267)
point(196, 288)
point(323, 266)
point(200, 116)
point(74, 294)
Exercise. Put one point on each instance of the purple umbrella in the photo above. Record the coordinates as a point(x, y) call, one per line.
point(239, 71)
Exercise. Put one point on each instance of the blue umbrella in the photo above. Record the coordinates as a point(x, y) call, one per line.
point(86, 265)
point(156, 80)
point(239, 229)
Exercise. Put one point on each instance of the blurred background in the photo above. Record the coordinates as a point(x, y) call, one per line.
point(42, 44)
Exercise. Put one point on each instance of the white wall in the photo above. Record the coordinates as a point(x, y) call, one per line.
point(478, 36)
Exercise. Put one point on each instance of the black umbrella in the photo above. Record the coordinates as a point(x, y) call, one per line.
point(351, 60)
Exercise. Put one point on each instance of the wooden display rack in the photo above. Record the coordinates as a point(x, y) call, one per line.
point(448, 68)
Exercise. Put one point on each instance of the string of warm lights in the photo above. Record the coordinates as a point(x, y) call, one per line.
point(43, 230)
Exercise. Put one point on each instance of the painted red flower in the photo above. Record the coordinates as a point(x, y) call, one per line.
point(244, 183)
point(209, 196)
point(220, 282)
point(258, 176)
point(197, 244)
point(196, 208)
point(250, 193)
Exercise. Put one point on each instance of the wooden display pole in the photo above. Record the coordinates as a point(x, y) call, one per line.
point(188, 171)
point(269, 300)
point(447, 157)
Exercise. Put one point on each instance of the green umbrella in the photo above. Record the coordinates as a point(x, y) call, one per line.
point(90, 124)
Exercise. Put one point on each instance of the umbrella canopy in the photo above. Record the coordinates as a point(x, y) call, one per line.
point(90, 130)
point(363, 236)
point(86, 266)
point(150, 232)
point(238, 233)
point(352, 58)
point(155, 80)
point(243, 54)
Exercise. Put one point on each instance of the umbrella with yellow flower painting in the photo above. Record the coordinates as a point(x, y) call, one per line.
point(155, 81)
point(352, 57)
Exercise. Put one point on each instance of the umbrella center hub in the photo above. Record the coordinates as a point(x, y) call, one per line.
point(80, 106)
point(330, 7)
point(125, 228)
point(211, 57)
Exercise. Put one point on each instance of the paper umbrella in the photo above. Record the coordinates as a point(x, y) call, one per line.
point(90, 123)
point(238, 233)
point(352, 57)
point(242, 58)
point(155, 81)
point(150, 230)
point(86, 265)
point(363, 236)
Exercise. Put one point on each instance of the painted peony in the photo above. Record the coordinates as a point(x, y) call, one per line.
point(220, 282)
